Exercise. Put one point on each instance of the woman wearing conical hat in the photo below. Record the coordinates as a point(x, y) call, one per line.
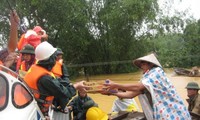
point(158, 97)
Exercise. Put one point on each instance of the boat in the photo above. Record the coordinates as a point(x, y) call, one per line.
point(182, 71)
point(18, 103)
point(124, 115)
point(191, 73)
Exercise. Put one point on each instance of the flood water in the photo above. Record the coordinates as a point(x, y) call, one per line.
point(105, 102)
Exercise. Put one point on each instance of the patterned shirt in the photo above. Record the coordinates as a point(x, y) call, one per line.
point(167, 104)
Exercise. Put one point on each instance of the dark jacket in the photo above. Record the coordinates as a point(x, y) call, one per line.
point(194, 105)
point(80, 105)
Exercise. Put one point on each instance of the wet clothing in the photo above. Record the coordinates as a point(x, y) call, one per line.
point(166, 103)
point(80, 105)
point(194, 104)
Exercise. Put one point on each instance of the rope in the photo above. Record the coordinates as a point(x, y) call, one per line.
point(99, 63)
point(122, 62)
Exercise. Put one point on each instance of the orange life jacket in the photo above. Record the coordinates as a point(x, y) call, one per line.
point(1, 63)
point(57, 69)
point(23, 65)
point(21, 43)
point(31, 79)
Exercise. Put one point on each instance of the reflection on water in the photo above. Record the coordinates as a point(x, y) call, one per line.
point(105, 102)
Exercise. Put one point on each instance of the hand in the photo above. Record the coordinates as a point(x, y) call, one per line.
point(81, 86)
point(14, 18)
point(69, 108)
point(10, 59)
point(110, 85)
point(44, 36)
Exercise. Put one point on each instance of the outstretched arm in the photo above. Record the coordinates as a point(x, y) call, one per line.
point(13, 39)
point(128, 87)
point(127, 94)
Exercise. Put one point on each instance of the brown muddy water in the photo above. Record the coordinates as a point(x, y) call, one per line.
point(106, 102)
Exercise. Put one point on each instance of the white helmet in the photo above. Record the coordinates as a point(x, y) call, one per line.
point(44, 50)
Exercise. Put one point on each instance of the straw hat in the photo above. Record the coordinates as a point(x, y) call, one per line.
point(151, 58)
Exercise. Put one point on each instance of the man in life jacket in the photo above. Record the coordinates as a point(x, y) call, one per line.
point(60, 69)
point(61, 72)
point(8, 55)
point(44, 84)
point(28, 57)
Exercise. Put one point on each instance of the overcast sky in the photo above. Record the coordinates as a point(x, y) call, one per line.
point(193, 6)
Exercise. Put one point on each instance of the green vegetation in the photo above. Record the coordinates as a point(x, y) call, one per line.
point(94, 31)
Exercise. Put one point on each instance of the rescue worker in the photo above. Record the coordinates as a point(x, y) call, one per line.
point(28, 57)
point(194, 97)
point(44, 84)
point(60, 69)
point(8, 55)
point(80, 104)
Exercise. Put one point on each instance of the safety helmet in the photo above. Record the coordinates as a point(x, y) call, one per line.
point(192, 85)
point(94, 113)
point(59, 51)
point(44, 50)
point(29, 49)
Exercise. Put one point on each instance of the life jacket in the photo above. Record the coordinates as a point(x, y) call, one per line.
point(31, 79)
point(23, 66)
point(21, 43)
point(57, 69)
point(30, 37)
point(1, 63)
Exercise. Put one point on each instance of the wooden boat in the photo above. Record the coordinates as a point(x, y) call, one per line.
point(182, 71)
point(123, 115)
point(185, 72)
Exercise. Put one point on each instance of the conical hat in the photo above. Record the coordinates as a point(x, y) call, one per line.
point(151, 58)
